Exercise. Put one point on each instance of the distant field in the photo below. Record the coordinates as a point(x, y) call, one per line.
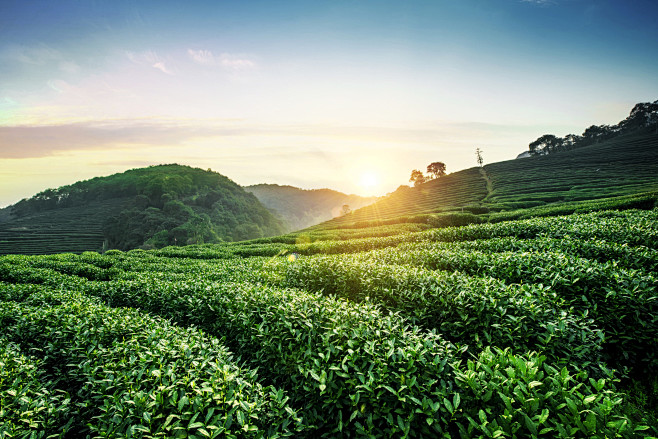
point(489, 330)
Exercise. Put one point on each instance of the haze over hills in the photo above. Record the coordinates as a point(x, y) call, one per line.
point(301, 208)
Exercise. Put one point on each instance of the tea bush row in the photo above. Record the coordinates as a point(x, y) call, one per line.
point(477, 311)
point(622, 302)
point(131, 375)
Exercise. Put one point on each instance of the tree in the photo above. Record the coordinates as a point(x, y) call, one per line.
point(544, 145)
point(597, 133)
point(478, 154)
point(345, 210)
point(417, 177)
point(437, 169)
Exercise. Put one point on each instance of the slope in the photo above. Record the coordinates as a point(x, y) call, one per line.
point(624, 166)
point(462, 189)
point(621, 166)
point(301, 208)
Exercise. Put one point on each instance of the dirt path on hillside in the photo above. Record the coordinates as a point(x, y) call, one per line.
point(484, 174)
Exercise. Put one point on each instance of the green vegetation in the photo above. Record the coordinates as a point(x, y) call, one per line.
point(150, 207)
point(542, 327)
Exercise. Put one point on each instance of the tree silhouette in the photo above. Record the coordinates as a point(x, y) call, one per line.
point(437, 169)
point(417, 177)
point(478, 154)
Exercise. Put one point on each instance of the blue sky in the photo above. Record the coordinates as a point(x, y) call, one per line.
point(350, 95)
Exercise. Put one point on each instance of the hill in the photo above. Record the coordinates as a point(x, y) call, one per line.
point(149, 207)
point(302, 208)
point(620, 167)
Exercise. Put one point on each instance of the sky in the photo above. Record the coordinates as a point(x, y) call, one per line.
point(346, 94)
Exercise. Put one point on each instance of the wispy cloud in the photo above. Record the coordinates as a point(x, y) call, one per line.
point(236, 62)
point(203, 57)
point(34, 55)
point(150, 58)
point(227, 61)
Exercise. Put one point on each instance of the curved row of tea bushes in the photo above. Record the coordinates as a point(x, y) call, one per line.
point(639, 257)
point(630, 227)
point(622, 302)
point(477, 311)
point(131, 375)
point(354, 371)
point(338, 360)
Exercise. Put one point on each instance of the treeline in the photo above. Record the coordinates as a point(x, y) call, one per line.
point(643, 116)
point(165, 205)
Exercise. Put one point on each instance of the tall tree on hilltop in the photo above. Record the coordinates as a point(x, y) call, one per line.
point(478, 154)
point(437, 169)
point(417, 178)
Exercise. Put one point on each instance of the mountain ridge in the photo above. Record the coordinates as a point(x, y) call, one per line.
point(301, 208)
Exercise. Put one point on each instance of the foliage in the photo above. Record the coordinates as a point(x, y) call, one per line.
point(506, 329)
point(417, 178)
point(137, 375)
point(436, 169)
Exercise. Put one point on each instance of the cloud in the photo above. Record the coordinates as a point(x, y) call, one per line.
point(203, 57)
point(227, 61)
point(235, 62)
point(150, 58)
point(69, 67)
point(162, 67)
point(46, 140)
point(31, 141)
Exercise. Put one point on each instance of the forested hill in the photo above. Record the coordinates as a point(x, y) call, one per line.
point(147, 207)
point(301, 208)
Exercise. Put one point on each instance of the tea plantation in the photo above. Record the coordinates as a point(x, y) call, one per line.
point(543, 327)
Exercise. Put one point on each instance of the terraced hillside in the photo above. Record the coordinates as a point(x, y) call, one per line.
point(67, 230)
point(623, 166)
point(456, 190)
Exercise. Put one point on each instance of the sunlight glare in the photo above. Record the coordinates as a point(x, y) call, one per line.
point(369, 180)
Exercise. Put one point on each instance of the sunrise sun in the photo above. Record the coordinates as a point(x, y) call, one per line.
point(369, 180)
